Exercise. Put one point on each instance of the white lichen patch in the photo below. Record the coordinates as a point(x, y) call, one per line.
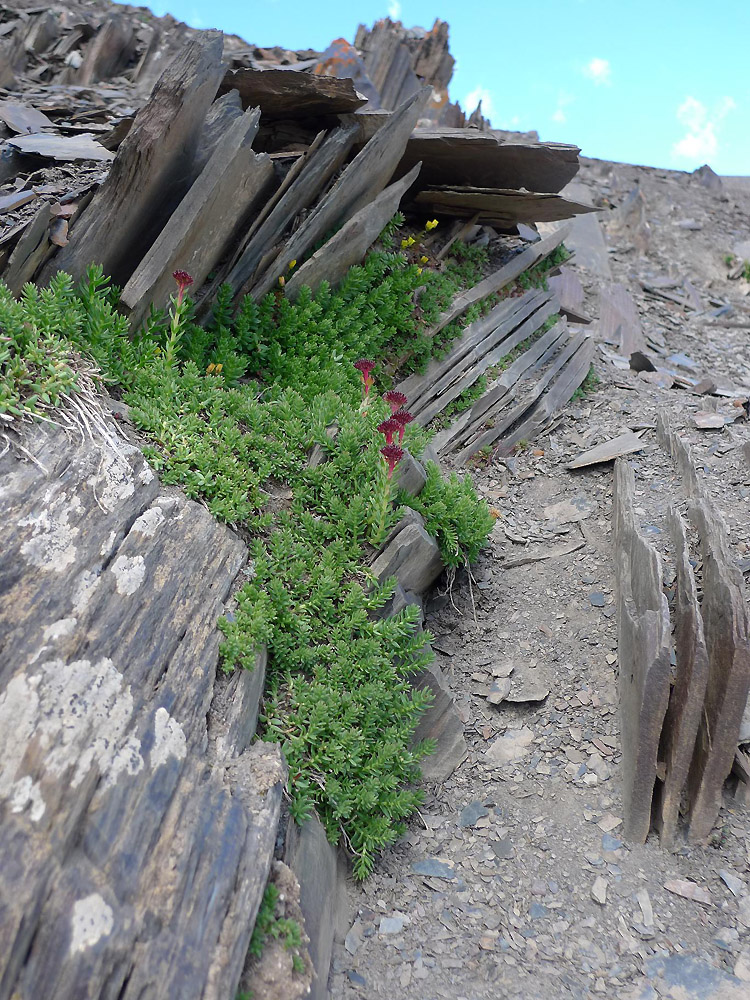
point(87, 583)
point(114, 481)
point(91, 920)
point(149, 521)
point(78, 714)
point(26, 793)
point(127, 759)
point(51, 546)
point(59, 629)
point(107, 546)
point(19, 713)
point(129, 573)
point(169, 739)
point(146, 474)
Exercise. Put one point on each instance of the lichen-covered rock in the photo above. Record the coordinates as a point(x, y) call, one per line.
point(134, 859)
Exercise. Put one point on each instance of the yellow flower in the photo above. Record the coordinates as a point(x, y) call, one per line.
point(423, 259)
point(419, 270)
point(219, 368)
point(292, 264)
point(431, 224)
point(210, 368)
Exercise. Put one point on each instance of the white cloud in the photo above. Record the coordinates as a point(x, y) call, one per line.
point(394, 10)
point(474, 97)
point(598, 70)
point(559, 115)
point(700, 141)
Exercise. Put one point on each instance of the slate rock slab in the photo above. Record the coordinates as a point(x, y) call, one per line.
point(513, 746)
point(411, 555)
point(64, 149)
point(471, 813)
point(281, 94)
point(440, 721)
point(694, 978)
point(321, 874)
point(434, 869)
point(135, 847)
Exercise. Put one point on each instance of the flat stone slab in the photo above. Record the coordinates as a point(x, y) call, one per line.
point(484, 159)
point(434, 869)
point(282, 94)
point(608, 451)
point(695, 978)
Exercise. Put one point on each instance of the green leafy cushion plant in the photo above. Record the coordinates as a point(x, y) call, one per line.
point(339, 697)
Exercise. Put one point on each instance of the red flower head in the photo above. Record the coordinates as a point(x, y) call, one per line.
point(402, 418)
point(393, 455)
point(184, 281)
point(365, 367)
point(395, 399)
point(389, 428)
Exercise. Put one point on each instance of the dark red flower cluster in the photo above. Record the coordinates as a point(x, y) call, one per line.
point(389, 428)
point(393, 455)
point(395, 399)
point(184, 281)
point(365, 367)
point(402, 418)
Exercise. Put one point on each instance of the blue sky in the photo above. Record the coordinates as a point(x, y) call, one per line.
point(658, 82)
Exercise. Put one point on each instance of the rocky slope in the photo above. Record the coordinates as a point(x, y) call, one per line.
point(515, 880)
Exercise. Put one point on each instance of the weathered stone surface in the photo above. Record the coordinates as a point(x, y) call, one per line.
point(230, 188)
point(619, 322)
point(607, 451)
point(281, 94)
point(644, 653)
point(323, 901)
point(681, 454)
point(220, 116)
point(362, 180)
point(503, 208)
point(693, 978)
point(708, 179)
point(60, 147)
point(295, 195)
point(234, 710)
point(410, 475)
point(409, 554)
point(152, 170)
point(109, 52)
point(135, 850)
point(29, 252)
point(350, 244)
point(725, 624)
point(630, 220)
point(440, 722)
point(585, 237)
point(481, 345)
point(483, 159)
point(691, 674)
point(558, 372)
point(498, 279)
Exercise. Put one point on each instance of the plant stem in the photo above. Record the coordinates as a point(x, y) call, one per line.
point(178, 312)
point(381, 503)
